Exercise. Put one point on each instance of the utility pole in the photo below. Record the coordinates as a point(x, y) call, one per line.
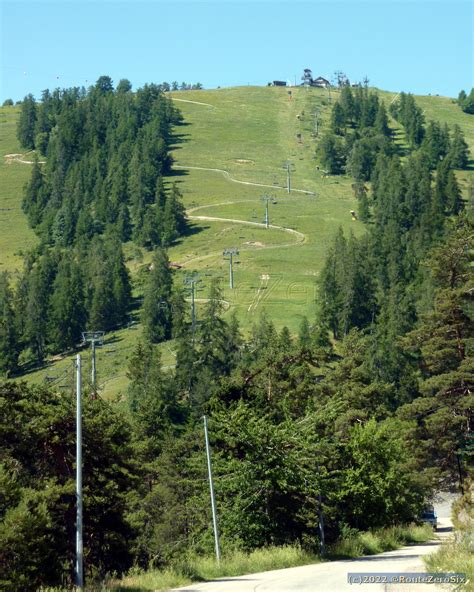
point(93, 337)
point(192, 281)
point(267, 199)
point(211, 489)
point(79, 538)
point(321, 526)
point(231, 253)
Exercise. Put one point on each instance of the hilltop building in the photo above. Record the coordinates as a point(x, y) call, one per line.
point(321, 82)
point(308, 80)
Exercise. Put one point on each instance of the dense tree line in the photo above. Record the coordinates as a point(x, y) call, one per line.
point(174, 86)
point(359, 132)
point(466, 102)
point(106, 153)
point(60, 295)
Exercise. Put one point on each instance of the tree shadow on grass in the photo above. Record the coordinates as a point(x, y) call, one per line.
point(192, 229)
point(470, 165)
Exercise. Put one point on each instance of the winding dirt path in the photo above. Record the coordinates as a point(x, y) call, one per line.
point(228, 176)
point(10, 158)
point(222, 203)
point(194, 102)
point(301, 238)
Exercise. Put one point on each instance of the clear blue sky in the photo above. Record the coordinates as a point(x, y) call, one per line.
point(417, 46)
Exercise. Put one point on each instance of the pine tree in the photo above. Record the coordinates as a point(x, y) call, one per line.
point(435, 143)
point(330, 296)
point(174, 217)
point(35, 196)
point(381, 121)
point(67, 314)
point(454, 201)
point(304, 336)
point(27, 122)
point(361, 160)
point(440, 344)
point(40, 279)
point(124, 224)
point(338, 119)
point(123, 86)
point(347, 106)
point(9, 343)
point(360, 192)
point(329, 151)
point(459, 152)
point(120, 280)
point(152, 397)
point(85, 225)
point(156, 312)
point(100, 303)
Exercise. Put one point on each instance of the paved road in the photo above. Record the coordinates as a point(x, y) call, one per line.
point(332, 576)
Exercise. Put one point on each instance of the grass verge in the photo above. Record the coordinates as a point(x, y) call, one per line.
point(455, 557)
point(357, 544)
point(192, 568)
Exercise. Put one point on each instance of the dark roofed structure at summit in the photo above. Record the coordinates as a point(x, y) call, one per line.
point(308, 80)
point(321, 82)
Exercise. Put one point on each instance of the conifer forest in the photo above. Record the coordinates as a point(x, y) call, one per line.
point(358, 417)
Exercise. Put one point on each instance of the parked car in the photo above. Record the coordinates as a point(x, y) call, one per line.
point(429, 516)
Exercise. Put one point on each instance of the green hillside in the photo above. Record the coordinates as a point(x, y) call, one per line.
point(246, 135)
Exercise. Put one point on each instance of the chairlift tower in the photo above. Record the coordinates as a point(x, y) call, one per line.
point(231, 253)
point(191, 282)
point(94, 338)
point(289, 169)
point(266, 199)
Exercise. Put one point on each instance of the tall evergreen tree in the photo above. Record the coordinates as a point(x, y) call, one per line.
point(27, 122)
point(67, 316)
point(40, 279)
point(459, 152)
point(156, 312)
point(152, 397)
point(9, 342)
point(329, 151)
point(338, 119)
point(381, 121)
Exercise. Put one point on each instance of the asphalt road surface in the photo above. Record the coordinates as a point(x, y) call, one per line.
point(332, 576)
